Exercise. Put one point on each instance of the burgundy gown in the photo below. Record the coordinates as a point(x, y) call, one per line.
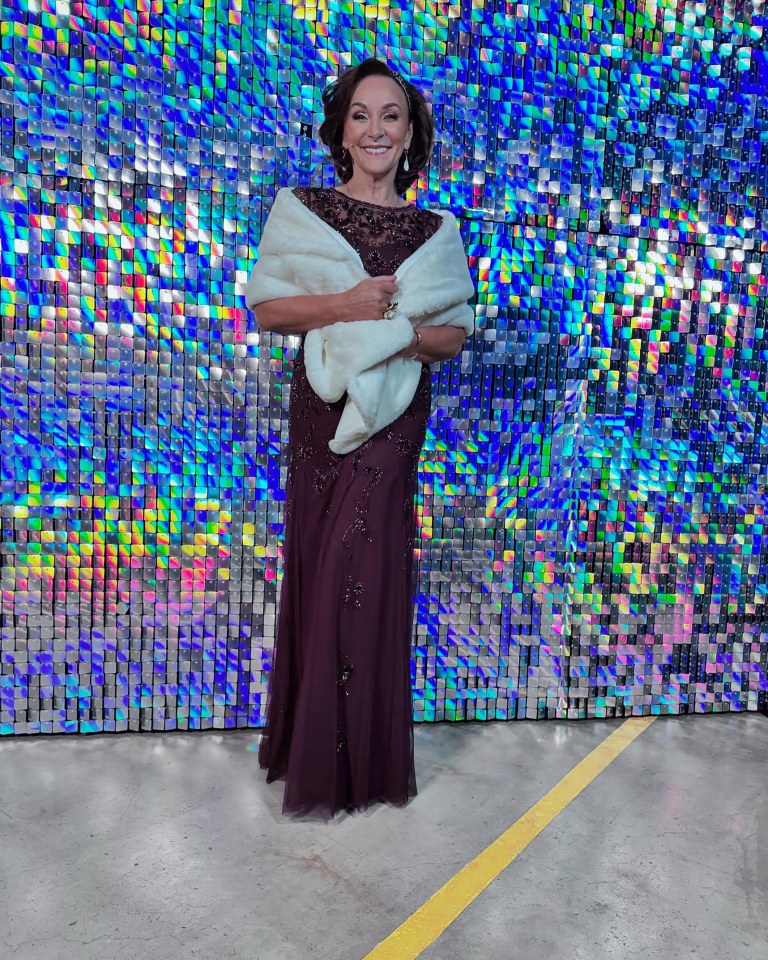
point(339, 725)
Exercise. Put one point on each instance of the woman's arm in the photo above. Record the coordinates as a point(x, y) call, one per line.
point(436, 343)
point(368, 300)
point(299, 314)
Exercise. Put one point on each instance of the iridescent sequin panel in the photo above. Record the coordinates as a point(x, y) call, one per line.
point(592, 515)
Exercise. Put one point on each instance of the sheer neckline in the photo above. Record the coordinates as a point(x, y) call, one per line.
point(383, 237)
point(368, 203)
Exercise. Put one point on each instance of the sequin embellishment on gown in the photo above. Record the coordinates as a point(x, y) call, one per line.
point(339, 720)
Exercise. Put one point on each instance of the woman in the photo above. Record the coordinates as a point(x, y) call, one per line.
point(339, 723)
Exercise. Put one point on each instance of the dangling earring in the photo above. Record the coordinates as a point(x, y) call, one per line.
point(406, 165)
point(345, 156)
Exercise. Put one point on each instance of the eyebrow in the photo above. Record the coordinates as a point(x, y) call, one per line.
point(356, 103)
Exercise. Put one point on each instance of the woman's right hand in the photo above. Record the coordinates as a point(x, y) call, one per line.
point(369, 299)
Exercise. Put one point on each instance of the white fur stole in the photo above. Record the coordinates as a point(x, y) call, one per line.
point(301, 254)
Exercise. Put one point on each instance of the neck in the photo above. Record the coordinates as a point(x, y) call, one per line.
point(375, 191)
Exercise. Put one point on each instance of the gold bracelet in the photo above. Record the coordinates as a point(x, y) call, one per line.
point(415, 356)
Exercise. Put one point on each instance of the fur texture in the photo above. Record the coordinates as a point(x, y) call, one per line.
point(301, 254)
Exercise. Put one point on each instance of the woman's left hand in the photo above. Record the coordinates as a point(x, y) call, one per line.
point(436, 343)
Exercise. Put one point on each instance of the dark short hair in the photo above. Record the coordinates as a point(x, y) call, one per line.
point(336, 100)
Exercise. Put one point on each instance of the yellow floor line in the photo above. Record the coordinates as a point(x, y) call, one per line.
point(424, 926)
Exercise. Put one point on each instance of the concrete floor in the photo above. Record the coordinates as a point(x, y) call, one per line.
point(163, 846)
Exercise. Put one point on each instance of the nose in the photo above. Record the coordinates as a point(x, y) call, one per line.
point(374, 128)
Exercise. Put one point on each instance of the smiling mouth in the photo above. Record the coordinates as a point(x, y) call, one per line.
point(375, 151)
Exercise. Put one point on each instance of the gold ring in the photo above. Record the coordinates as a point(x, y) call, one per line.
point(390, 311)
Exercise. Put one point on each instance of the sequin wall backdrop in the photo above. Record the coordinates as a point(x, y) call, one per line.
point(593, 515)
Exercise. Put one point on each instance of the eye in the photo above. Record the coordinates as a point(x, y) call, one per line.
point(358, 116)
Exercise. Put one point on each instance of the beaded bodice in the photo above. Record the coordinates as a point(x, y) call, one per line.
point(383, 236)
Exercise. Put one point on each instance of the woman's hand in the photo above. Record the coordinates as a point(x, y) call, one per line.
point(369, 299)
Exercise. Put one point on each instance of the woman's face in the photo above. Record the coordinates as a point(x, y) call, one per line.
point(377, 129)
